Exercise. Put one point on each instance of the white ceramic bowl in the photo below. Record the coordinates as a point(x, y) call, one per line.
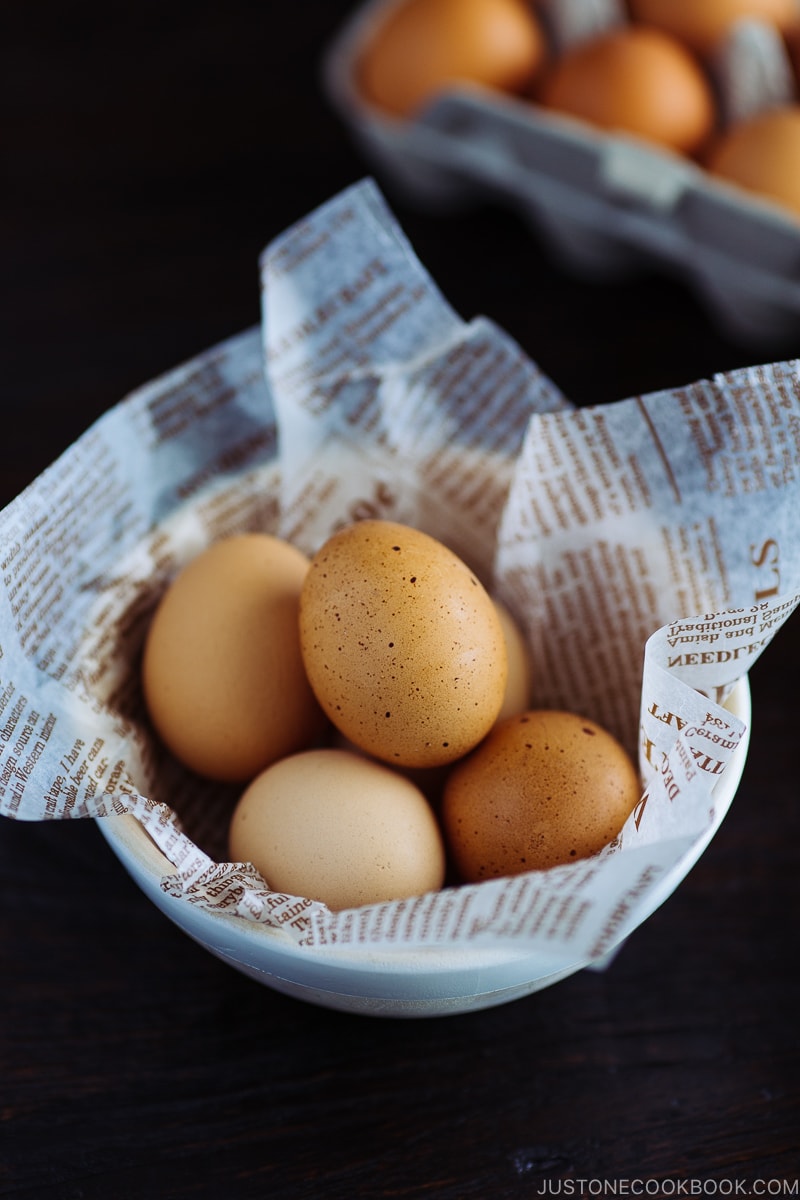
point(410, 983)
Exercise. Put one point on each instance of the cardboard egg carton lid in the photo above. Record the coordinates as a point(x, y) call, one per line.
point(604, 205)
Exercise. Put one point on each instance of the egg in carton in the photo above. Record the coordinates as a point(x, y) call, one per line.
point(605, 201)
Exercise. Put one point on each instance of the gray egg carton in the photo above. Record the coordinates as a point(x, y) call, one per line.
point(604, 205)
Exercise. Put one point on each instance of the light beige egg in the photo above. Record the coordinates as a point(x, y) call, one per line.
point(337, 827)
point(402, 644)
point(545, 788)
point(222, 673)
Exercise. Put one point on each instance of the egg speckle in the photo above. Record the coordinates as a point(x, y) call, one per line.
point(543, 789)
point(402, 644)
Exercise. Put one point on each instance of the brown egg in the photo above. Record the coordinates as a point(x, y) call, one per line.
point(402, 644)
point(791, 42)
point(339, 828)
point(222, 673)
point(517, 695)
point(423, 46)
point(762, 155)
point(544, 788)
point(702, 24)
point(635, 80)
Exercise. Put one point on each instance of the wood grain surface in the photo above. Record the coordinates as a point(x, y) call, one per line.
point(149, 153)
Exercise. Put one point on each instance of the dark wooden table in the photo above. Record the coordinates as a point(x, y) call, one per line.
point(149, 153)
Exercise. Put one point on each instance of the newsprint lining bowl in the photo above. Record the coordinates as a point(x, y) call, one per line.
point(410, 983)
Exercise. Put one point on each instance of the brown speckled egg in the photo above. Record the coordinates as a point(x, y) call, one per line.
point(402, 644)
point(543, 789)
point(222, 673)
point(339, 828)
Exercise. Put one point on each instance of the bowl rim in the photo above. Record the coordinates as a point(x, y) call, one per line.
point(396, 974)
